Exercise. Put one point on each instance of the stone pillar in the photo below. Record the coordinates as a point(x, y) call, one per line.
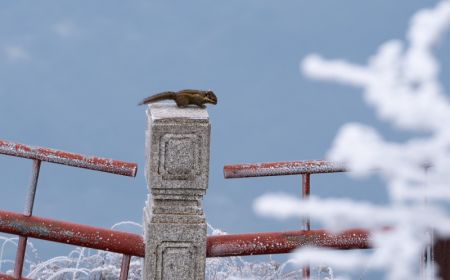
point(177, 144)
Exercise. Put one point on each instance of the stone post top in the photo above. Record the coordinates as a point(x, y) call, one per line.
point(163, 111)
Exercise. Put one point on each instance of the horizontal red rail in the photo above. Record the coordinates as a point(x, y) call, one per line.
point(281, 168)
point(283, 242)
point(70, 233)
point(217, 246)
point(66, 158)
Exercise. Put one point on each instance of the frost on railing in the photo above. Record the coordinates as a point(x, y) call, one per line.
point(26, 225)
point(401, 82)
point(87, 264)
point(80, 263)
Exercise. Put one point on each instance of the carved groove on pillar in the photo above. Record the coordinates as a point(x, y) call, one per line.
point(178, 257)
point(179, 156)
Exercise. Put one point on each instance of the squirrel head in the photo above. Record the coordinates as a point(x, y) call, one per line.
point(210, 97)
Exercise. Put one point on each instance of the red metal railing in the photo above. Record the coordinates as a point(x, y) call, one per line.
point(26, 225)
point(264, 243)
point(217, 246)
point(278, 242)
point(66, 158)
point(305, 167)
point(351, 239)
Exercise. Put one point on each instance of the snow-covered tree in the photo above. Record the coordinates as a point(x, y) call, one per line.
point(401, 82)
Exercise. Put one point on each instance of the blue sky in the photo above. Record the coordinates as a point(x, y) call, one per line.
point(71, 74)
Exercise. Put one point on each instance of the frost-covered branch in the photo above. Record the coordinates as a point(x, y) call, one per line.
point(401, 83)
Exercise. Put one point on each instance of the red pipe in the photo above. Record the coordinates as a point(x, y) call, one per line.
point(217, 246)
point(124, 267)
point(20, 257)
point(281, 168)
point(283, 242)
point(70, 233)
point(306, 190)
point(66, 158)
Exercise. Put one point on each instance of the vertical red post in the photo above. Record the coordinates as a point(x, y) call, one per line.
point(28, 211)
point(306, 188)
point(125, 267)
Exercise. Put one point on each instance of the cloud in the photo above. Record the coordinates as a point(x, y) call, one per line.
point(314, 66)
point(66, 29)
point(16, 53)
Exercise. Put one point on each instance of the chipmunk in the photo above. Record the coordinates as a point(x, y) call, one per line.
point(184, 97)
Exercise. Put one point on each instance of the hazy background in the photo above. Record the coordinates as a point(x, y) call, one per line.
point(71, 74)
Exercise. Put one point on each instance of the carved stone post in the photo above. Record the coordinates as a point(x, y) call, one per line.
point(177, 175)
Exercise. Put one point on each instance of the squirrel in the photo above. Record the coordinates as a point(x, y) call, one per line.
point(184, 97)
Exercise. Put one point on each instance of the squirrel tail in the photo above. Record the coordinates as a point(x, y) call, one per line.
point(166, 95)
